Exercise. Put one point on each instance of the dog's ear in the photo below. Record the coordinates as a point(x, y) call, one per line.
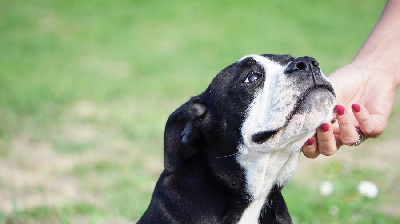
point(182, 132)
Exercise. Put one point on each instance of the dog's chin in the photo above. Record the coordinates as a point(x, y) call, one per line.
point(310, 111)
point(316, 107)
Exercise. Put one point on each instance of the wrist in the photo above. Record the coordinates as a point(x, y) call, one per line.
point(377, 66)
point(397, 78)
point(392, 73)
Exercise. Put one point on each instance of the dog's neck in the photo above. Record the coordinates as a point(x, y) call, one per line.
point(263, 172)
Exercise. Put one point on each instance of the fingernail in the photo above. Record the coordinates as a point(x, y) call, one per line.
point(333, 121)
point(310, 141)
point(356, 107)
point(339, 109)
point(324, 127)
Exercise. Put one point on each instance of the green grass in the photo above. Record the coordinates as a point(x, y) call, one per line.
point(345, 204)
point(86, 86)
point(48, 214)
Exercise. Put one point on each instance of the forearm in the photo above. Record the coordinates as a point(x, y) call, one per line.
point(382, 47)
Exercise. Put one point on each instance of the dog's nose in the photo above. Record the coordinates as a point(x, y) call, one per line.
point(302, 64)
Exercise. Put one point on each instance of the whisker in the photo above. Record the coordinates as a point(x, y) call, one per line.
point(221, 157)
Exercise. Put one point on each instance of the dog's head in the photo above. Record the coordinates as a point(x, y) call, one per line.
point(260, 104)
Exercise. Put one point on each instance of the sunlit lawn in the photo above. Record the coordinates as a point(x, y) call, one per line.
point(86, 88)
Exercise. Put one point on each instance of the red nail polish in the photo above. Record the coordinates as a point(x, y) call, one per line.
point(310, 141)
point(356, 107)
point(339, 109)
point(324, 127)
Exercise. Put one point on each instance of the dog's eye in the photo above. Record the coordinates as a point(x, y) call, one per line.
point(252, 77)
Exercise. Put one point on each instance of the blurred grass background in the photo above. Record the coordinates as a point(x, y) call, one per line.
point(86, 88)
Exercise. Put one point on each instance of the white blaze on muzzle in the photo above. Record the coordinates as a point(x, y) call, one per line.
point(273, 106)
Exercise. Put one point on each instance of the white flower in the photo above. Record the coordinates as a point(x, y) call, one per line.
point(368, 189)
point(326, 188)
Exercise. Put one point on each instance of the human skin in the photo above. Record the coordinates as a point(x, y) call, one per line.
point(365, 88)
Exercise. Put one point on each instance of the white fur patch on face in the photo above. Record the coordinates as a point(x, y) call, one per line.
point(272, 105)
point(273, 162)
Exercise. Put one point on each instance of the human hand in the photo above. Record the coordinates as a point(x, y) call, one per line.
point(365, 96)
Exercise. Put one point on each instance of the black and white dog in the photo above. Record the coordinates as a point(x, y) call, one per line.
point(229, 151)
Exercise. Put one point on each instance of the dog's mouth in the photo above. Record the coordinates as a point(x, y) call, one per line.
point(263, 136)
point(304, 95)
